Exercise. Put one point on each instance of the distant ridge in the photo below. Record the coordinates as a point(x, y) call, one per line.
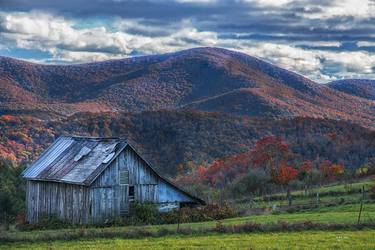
point(358, 87)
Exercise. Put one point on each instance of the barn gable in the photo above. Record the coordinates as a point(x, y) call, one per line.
point(144, 177)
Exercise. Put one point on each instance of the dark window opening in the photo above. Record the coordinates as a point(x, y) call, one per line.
point(131, 193)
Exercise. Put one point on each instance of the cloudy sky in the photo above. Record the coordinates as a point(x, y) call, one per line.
point(321, 39)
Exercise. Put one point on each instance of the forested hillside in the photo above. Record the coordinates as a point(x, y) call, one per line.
point(357, 87)
point(175, 141)
point(182, 109)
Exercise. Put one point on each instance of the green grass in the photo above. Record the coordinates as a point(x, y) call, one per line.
point(335, 188)
point(343, 187)
point(299, 197)
point(349, 198)
point(297, 240)
point(336, 214)
point(345, 213)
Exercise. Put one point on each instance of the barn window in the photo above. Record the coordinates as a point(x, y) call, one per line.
point(124, 177)
point(131, 193)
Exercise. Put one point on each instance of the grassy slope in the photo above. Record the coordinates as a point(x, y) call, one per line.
point(301, 199)
point(295, 240)
point(333, 214)
point(339, 214)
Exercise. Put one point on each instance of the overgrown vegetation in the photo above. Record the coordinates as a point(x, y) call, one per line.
point(12, 193)
point(141, 214)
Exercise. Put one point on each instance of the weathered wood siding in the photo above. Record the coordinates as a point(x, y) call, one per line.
point(141, 177)
point(169, 194)
point(109, 199)
point(65, 201)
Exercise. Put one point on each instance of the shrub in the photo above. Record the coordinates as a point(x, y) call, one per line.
point(143, 214)
point(46, 222)
point(255, 182)
point(220, 228)
point(164, 231)
point(208, 212)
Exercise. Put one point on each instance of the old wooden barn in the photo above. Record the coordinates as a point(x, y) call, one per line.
point(90, 180)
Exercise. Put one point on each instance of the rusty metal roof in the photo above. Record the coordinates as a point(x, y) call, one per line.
point(75, 160)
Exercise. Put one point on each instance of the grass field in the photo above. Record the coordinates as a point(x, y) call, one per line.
point(296, 240)
point(337, 214)
point(330, 194)
point(332, 214)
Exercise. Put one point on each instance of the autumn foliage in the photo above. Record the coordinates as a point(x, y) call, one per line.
point(285, 174)
point(330, 170)
point(271, 155)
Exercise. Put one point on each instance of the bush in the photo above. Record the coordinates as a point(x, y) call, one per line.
point(208, 212)
point(255, 182)
point(143, 214)
point(12, 193)
point(46, 222)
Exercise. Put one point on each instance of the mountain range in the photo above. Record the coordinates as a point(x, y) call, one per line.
point(200, 86)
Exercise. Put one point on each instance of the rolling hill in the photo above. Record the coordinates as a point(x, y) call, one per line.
point(182, 109)
point(207, 79)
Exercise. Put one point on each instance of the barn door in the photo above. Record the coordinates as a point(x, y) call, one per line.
point(124, 190)
point(102, 204)
point(123, 200)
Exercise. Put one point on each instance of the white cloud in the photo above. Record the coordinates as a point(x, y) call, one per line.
point(319, 43)
point(295, 59)
point(61, 37)
point(365, 44)
point(58, 36)
point(317, 64)
point(81, 56)
point(355, 8)
point(273, 3)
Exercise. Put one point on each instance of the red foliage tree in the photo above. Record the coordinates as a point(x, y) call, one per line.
point(306, 167)
point(285, 174)
point(270, 153)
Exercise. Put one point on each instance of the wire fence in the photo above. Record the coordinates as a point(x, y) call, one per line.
point(310, 199)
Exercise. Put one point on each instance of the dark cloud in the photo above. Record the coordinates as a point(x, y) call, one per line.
point(224, 17)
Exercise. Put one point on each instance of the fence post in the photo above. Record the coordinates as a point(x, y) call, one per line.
point(289, 196)
point(317, 198)
point(179, 217)
point(361, 207)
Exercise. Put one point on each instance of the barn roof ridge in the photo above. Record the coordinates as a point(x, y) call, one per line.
point(84, 137)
